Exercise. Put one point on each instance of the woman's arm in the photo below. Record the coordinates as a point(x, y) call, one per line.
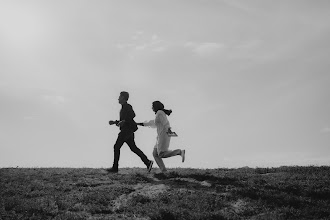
point(150, 123)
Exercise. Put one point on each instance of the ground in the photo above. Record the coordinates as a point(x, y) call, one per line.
point(133, 193)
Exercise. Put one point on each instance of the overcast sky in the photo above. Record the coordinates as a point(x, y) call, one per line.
point(248, 81)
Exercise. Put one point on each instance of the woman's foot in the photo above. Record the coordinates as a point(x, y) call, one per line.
point(183, 155)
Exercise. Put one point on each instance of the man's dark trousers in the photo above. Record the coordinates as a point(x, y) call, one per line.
point(126, 136)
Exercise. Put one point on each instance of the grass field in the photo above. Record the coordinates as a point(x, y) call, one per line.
point(245, 193)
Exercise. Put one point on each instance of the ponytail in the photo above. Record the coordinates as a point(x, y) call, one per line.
point(168, 112)
point(157, 105)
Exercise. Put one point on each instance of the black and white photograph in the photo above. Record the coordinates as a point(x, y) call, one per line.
point(162, 109)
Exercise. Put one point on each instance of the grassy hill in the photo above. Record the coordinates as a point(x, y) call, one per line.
point(245, 193)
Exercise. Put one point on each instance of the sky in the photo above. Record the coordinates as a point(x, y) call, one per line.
point(248, 81)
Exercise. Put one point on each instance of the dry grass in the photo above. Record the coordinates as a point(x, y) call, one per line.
point(262, 193)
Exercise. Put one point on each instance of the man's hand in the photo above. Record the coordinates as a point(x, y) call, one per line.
point(113, 122)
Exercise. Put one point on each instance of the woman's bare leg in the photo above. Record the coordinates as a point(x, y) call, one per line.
point(169, 153)
point(159, 161)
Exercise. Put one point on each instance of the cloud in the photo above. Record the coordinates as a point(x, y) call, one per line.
point(29, 117)
point(325, 130)
point(159, 49)
point(137, 35)
point(54, 99)
point(204, 49)
point(238, 5)
point(143, 42)
point(141, 47)
point(252, 44)
point(124, 45)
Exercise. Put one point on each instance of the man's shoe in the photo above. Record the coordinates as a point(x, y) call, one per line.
point(183, 155)
point(150, 166)
point(112, 170)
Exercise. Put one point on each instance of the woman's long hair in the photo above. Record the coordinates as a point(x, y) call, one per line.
point(157, 105)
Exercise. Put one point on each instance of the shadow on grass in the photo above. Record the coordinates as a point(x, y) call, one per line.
point(200, 177)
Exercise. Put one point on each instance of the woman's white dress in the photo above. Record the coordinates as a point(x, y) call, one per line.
point(162, 124)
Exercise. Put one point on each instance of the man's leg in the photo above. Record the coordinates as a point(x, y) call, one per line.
point(116, 148)
point(131, 143)
point(159, 160)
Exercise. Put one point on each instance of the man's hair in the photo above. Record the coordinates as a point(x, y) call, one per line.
point(125, 95)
